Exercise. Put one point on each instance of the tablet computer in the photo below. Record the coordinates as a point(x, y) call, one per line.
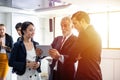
point(44, 49)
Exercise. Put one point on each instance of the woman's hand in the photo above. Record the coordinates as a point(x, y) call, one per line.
point(32, 64)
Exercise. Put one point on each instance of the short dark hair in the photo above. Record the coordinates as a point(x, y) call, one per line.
point(18, 25)
point(2, 25)
point(81, 15)
point(25, 26)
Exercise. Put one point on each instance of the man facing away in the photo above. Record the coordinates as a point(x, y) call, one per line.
point(88, 47)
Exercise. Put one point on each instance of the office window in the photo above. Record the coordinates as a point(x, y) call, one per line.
point(114, 30)
point(107, 25)
point(100, 23)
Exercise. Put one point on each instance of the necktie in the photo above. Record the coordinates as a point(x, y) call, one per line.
point(62, 42)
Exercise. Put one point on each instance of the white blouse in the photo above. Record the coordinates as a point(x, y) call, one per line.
point(30, 74)
point(31, 54)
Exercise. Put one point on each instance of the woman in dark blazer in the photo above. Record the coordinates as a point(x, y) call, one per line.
point(23, 57)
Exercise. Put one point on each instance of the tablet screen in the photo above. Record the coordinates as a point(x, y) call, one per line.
point(44, 49)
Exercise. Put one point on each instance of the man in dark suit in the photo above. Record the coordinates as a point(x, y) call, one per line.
point(6, 44)
point(61, 67)
point(87, 48)
point(18, 29)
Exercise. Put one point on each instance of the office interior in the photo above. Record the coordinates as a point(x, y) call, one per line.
point(46, 16)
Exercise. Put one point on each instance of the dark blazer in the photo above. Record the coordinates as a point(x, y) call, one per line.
point(66, 70)
point(88, 46)
point(18, 58)
point(8, 43)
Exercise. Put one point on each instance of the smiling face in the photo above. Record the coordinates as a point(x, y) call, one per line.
point(2, 31)
point(30, 31)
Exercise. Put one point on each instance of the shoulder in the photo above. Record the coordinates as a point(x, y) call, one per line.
point(35, 43)
point(17, 43)
point(8, 36)
point(58, 37)
point(74, 37)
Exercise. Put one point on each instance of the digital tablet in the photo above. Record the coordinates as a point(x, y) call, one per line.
point(44, 49)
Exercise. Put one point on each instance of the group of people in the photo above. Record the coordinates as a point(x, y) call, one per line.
point(85, 48)
point(66, 50)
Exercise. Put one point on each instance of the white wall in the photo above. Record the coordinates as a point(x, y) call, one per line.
point(2, 18)
point(5, 18)
point(110, 64)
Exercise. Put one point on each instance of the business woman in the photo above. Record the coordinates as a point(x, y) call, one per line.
point(24, 55)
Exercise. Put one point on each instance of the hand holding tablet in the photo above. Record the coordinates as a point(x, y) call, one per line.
point(42, 50)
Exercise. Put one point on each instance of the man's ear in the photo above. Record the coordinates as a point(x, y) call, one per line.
point(84, 21)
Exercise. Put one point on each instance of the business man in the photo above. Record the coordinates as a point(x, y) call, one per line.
point(18, 29)
point(6, 44)
point(87, 47)
point(61, 67)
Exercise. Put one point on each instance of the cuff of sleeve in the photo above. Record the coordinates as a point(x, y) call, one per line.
point(61, 58)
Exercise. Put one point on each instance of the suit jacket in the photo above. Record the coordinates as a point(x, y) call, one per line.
point(8, 43)
point(88, 46)
point(18, 58)
point(66, 70)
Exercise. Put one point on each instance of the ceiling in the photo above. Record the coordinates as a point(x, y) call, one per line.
point(58, 7)
point(96, 5)
point(29, 4)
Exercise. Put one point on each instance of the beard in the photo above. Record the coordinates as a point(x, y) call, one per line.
point(65, 33)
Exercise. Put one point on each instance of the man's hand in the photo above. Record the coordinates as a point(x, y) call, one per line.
point(54, 53)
